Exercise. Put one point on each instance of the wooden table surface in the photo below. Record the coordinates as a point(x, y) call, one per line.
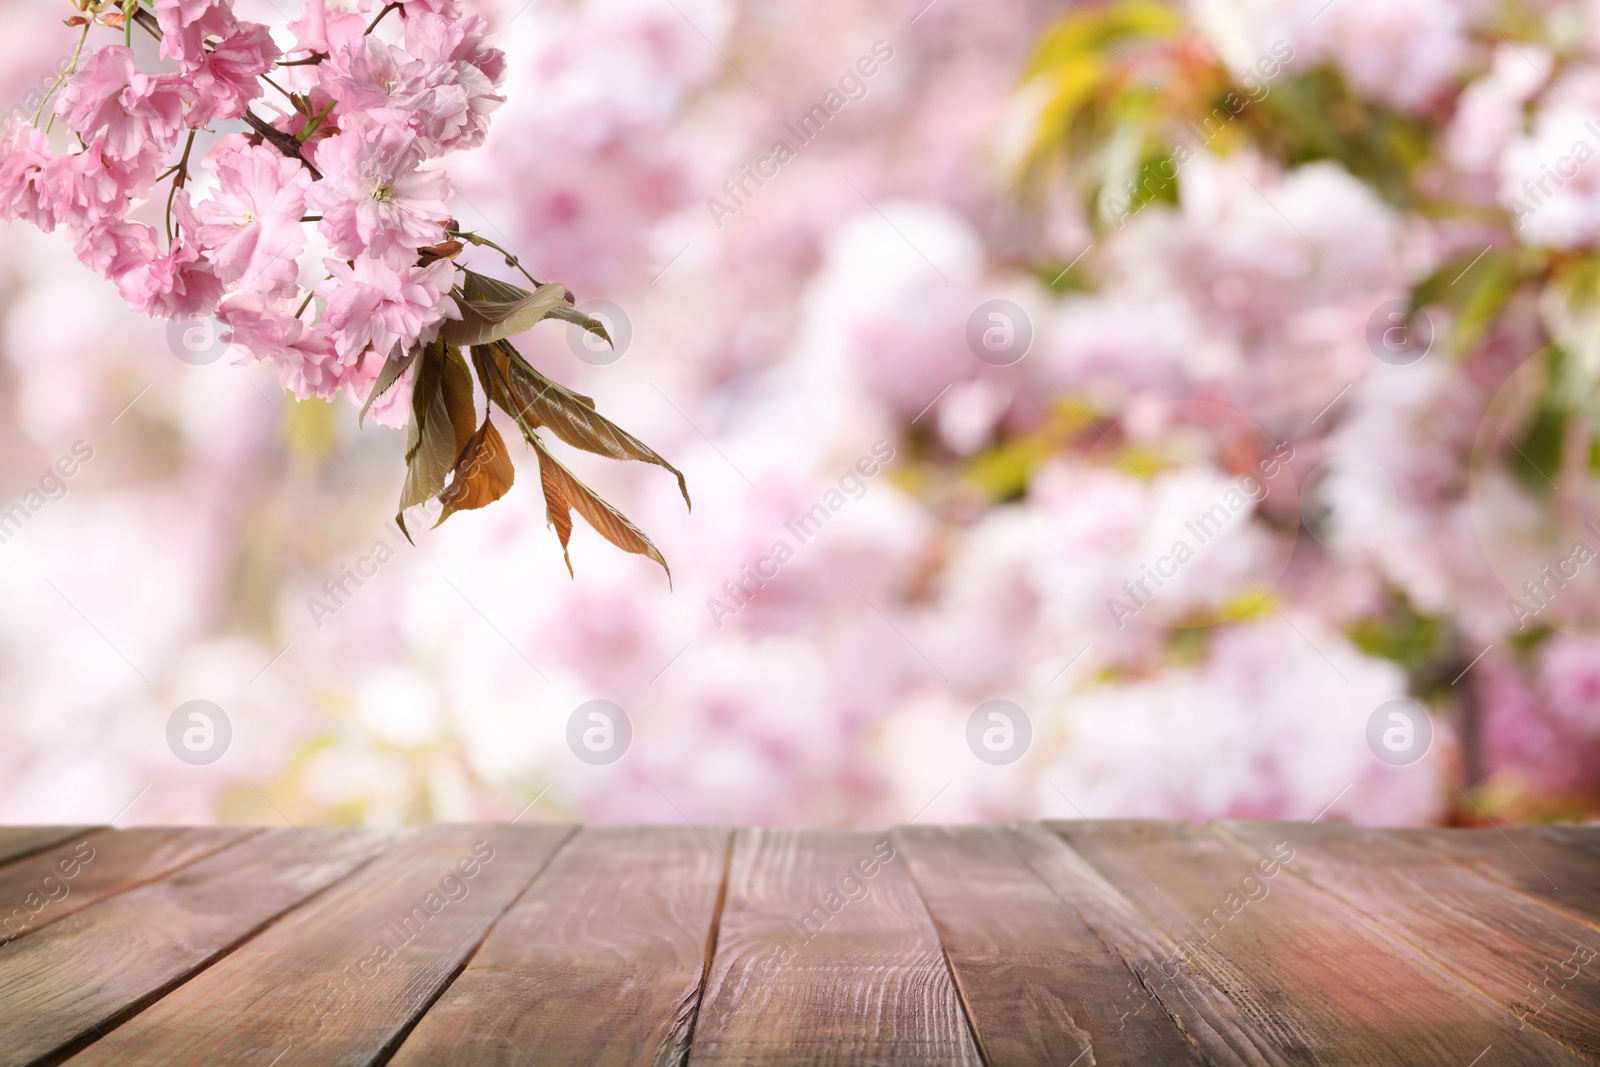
point(1038, 943)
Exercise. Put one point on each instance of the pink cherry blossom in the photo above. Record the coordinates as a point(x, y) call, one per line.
point(115, 248)
point(375, 82)
point(376, 305)
point(251, 228)
point(186, 24)
point(139, 112)
point(442, 97)
point(311, 28)
point(1569, 673)
point(25, 191)
point(87, 188)
point(179, 284)
point(226, 78)
point(374, 198)
point(467, 73)
point(302, 356)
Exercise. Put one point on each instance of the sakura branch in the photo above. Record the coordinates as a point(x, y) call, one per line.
point(322, 238)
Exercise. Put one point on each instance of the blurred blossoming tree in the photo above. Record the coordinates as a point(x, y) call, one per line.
point(1285, 185)
point(1307, 287)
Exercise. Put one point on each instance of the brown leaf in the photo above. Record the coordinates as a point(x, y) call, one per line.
point(564, 494)
point(570, 416)
point(445, 250)
point(483, 321)
point(442, 422)
point(483, 474)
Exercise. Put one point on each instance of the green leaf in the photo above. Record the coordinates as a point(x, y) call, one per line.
point(482, 287)
point(1475, 287)
point(483, 321)
point(1315, 115)
point(393, 368)
point(1078, 75)
point(568, 313)
point(443, 419)
point(564, 494)
point(1536, 461)
point(530, 397)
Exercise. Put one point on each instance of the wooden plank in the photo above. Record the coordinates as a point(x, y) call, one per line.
point(53, 884)
point(1038, 985)
point(600, 962)
point(1324, 985)
point(1507, 946)
point(1201, 1008)
point(19, 841)
point(1555, 865)
point(67, 984)
point(1586, 837)
point(825, 955)
point(341, 980)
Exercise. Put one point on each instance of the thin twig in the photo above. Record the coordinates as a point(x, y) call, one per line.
point(177, 182)
point(379, 18)
point(511, 260)
point(276, 86)
point(283, 142)
point(77, 53)
point(148, 21)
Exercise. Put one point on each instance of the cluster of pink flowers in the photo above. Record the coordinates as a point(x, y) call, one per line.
point(352, 149)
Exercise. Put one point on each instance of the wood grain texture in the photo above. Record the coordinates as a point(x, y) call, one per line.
point(51, 885)
point(1557, 865)
point(1200, 1007)
point(1304, 968)
point(1077, 943)
point(19, 841)
point(1506, 946)
point(600, 961)
point(70, 982)
point(1038, 984)
point(340, 980)
point(825, 955)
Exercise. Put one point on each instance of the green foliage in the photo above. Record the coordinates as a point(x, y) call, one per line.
point(1425, 645)
point(1404, 635)
point(1474, 288)
point(1003, 472)
point(1536, 461)
point(1314, 116)
point(1564, 405)
point(1083, 106)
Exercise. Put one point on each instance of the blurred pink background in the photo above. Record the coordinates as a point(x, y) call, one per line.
point(777, 340)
